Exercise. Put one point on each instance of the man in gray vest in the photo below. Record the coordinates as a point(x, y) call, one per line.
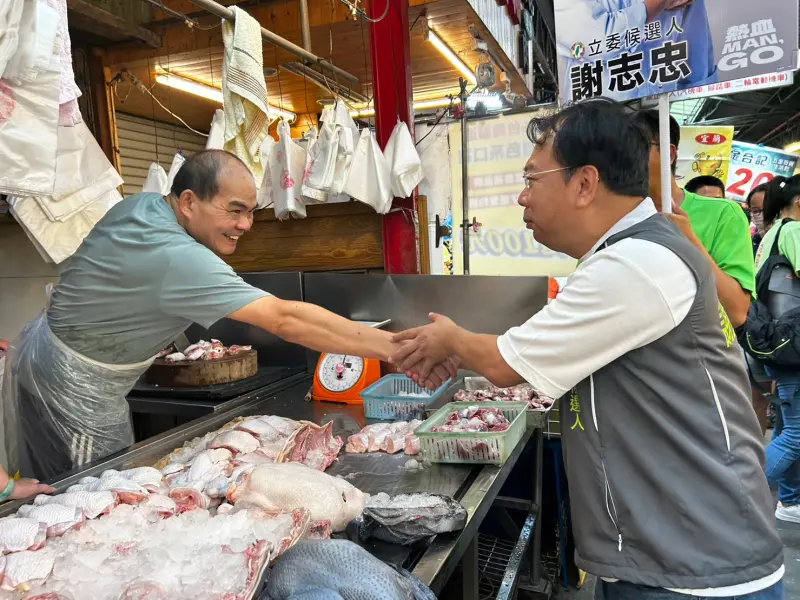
point(663, 451)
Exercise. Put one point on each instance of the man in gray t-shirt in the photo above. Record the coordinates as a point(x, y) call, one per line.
point(149, 269)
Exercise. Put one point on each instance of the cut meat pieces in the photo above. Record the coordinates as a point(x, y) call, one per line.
point(17, 534)
point(316, 446)
point(386, 437)
point(238, 442)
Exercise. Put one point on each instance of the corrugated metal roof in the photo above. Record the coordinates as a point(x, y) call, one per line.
point(144, 141)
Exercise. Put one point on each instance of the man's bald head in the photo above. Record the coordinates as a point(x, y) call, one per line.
point(201, 173)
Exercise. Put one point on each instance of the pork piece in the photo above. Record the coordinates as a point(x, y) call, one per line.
point(93, 504)
point(175, 357)
point(238, 442)
point(285, 427)
point(24, 569)
point(216, 344)
point(166, 351)
point(148, 477)
point(234, 350)
point(412, 444)
point(357, 443)
point(214, 354)
point(260, 429)
point(396, 441)
point(57, 518)
point(289, 486)
point(318, 530)
point(473, 421)
point(17, 534)
point(220, 486)
point(195, 353)
point(316, 446)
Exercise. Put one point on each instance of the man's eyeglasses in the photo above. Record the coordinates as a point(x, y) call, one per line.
point(528, 178)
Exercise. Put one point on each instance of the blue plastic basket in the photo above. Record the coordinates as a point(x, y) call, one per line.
point(384, 399)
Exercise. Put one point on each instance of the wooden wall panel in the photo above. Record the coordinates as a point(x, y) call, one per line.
point(333, 237)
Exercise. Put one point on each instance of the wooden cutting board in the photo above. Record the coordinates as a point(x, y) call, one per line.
point(201, 373)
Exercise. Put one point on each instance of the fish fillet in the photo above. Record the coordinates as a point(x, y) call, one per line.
point(17, 534)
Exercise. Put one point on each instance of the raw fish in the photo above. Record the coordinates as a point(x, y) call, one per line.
point(17, 534)
point(289, 486)
point(284, 426)
point(259, 428)
point(148, 477)
point(163, 506)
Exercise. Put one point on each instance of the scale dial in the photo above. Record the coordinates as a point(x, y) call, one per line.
point(339, 373)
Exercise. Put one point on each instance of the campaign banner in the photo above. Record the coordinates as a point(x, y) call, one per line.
point(752, 165)
point(704, 151)
point(618, 49)
point(497, 152)
point(749, 84)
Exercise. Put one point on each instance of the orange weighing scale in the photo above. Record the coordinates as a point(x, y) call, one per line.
point(342, 378)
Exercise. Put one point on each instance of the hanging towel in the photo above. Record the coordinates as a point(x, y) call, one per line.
point(216, 135)
point(244, 89)
point(10, 16)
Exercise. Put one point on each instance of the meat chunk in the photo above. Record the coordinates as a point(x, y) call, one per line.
point(238, 442)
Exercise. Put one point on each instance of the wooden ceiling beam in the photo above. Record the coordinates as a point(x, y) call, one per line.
point(98, 21)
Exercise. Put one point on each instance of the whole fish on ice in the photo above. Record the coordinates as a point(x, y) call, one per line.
point(340, 569)
point(17, 534)
point(288, 486)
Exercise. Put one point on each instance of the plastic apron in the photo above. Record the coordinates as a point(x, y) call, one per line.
point(61, 409)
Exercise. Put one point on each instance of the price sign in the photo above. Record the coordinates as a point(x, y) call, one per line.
point(753, 165)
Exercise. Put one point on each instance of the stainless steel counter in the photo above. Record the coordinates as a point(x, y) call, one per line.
point(475, 487)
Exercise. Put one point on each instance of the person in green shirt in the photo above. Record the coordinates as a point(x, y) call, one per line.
point(717, 227)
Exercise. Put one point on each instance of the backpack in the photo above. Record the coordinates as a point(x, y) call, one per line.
point(771, 334)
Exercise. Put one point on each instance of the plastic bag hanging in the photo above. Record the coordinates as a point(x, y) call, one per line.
point(156, 181)
point(216, 136)
point(264, 197)
point(288, 162)
point(369, 179)
point(348, 139)
point(311, 195)
point(321, 167)
point(177, 163)
point(404, 161)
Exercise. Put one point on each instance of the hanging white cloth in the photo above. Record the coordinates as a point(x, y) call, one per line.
point(264, 196)
point(156, 181)
point(10, 16)
point(20, 66)
point(244, 89)
point(404, 161)
point(57, 241)
point(216, 135)
point(29, 132)
point(310, 194)
point(287, 163)
point(369, 180)
point(177, 163)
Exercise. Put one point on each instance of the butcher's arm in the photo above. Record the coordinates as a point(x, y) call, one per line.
point(316, 328)
point(479, 353)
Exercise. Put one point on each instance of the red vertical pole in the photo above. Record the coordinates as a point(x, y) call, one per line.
point(390, 51)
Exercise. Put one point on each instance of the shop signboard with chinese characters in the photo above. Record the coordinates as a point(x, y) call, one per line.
point(753, 165)
point(617, 49)
point(704, 151)
point(498, 151)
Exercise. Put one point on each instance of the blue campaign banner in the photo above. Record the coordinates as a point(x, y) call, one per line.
point(625, 49)
point(752, 165)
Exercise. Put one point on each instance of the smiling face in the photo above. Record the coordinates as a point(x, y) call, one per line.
point(218, 223)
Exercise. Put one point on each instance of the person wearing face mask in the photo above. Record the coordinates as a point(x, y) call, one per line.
point(148, 270)
point(782, 213)
point(755, 204)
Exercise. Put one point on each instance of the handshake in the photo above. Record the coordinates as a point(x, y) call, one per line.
point(427, 354)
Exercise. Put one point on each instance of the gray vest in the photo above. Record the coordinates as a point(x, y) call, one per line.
point(664, 454)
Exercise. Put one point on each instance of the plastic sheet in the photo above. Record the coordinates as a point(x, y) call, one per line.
point(409, 518)
point(404, 162)
point(288, 163)
point(156, 181)
point(216, 136)
point(62, 410)
point(369, 180)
